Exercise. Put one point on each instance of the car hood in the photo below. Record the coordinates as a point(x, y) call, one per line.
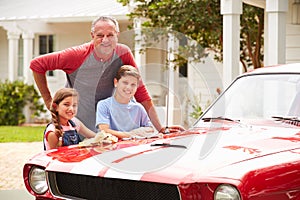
point(191, 156)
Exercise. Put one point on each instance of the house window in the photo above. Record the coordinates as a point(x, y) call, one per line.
point(46, 45)
point(183, 67)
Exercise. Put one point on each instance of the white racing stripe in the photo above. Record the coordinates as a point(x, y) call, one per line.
point(111, 173)
point(90, 166)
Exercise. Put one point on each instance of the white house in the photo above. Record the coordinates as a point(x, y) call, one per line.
point(281, 33)
point(33, 27)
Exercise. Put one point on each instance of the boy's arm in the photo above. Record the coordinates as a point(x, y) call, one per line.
point(106, 129)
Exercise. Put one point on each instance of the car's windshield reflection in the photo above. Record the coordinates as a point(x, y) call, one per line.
point(257, 97)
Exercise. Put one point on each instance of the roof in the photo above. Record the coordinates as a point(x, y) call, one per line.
point(59, 10)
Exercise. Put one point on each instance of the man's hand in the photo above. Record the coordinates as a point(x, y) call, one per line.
point(172, 129)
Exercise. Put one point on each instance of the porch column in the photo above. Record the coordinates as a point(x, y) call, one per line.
point(27, 56)
point(28, 78)
point(275, 34)
point(231, 11)
point(13, 46)
point(170, 101)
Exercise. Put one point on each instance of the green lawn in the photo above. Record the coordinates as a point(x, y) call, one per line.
point(21, 133)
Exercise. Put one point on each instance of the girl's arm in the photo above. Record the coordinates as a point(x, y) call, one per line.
point(119, 134)
point(53, 140)
point(85, 131)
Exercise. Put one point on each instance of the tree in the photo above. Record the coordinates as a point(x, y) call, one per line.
point(201, 21)
point(252, 24)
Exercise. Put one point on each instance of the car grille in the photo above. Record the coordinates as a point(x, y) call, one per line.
point(75, 186)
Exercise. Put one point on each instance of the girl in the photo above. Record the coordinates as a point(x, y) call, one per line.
point(62, 131)
point(121, 115)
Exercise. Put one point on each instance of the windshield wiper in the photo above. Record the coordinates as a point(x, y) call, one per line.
point(208, 119)
point(287, 118)
point(169, 145)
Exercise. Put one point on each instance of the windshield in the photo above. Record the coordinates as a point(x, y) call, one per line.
point(258, 97)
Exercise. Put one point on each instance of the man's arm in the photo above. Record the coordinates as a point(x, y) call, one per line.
point(41, 82)
point(149, 107)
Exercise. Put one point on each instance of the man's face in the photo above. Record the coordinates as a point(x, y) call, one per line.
point(105, 37)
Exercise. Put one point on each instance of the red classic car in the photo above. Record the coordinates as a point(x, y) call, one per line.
point(246, 146)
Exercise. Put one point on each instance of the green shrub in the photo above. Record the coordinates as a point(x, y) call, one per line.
point(14, 96)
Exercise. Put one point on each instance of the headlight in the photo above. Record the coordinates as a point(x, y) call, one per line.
point(37, 180)
point(226, 192)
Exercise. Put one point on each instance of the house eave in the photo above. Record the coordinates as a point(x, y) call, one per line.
point(256, 3)
point(58, 19)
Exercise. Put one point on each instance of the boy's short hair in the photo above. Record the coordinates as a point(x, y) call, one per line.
point(128, 70)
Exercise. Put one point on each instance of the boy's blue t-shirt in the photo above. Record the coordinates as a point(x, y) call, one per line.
point(121, 117)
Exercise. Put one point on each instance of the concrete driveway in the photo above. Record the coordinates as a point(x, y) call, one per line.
point(15, 195)
point(12, 159)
